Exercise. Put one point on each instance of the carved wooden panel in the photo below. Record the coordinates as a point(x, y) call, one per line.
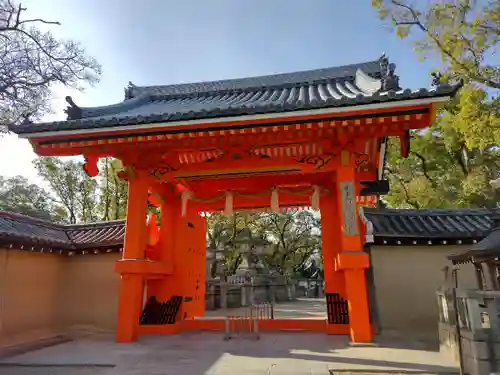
point(349, 209)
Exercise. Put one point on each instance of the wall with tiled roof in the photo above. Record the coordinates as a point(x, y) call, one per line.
point(25, 232)
point(388, 226)
point(434, 226)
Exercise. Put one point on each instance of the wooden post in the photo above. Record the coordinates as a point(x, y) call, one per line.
point(334, 280)
point(351, 258)
point(132, 286)
point(169, 211)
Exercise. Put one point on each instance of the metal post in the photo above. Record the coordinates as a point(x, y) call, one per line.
point(227, 334)
point(457, 319)
point(256, 328)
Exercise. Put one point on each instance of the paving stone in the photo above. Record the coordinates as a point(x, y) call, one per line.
point(209, 354)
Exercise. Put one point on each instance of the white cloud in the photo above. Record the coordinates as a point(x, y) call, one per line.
point(17, 155)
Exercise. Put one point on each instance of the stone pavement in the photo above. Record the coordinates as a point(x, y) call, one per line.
point(208, 354)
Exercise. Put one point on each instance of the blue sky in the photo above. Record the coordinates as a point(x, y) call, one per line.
point(173, 41)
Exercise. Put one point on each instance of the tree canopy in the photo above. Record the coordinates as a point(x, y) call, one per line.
point(290, 239)
point(32, 61)
point(451, 163)
point(463, 33)
point(20, 196)
point(85, 199)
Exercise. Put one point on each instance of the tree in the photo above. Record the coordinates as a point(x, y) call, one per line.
point(77, 192)
point(465, 35)
point(441, 173)
point(453, 161)
point(32, 61)
point(113, 191)
point(447, 165)
point(295, 238)
point(462, 33)
point(290, 239)
point(223, 232)
point(18, 195)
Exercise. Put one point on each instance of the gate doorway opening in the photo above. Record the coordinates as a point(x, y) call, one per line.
point(270, 260)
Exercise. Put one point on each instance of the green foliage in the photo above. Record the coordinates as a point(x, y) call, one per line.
point(113, 190)
point(223, 232)
point(475, 117)
point(441, 172)
point(290, 239)
point(451, 163)
point(85, 199)
point(461, 32)
point(74, 189)
point(295, 237)
point(18, 195)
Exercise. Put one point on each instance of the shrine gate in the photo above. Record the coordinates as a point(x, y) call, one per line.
point(313, 138)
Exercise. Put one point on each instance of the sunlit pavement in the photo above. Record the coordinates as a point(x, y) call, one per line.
point(208, 353)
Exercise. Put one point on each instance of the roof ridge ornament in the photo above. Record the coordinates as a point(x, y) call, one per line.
point(442, 82)
point(73, 111)
point(390, 81)
point(129, 90)
point(26, 119)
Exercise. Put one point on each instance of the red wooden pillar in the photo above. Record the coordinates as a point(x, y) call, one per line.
point(334, 279)
point(163, 288)
point(351, 259)
point(189, 262)
point(132, 285)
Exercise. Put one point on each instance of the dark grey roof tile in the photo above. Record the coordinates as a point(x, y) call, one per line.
point(24, 230)
point(323, 88)
point(429, 223)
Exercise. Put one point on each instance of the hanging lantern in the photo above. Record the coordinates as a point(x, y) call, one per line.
point(185, 196)
point(228, 209)
point(315, 198)
point(275, 204)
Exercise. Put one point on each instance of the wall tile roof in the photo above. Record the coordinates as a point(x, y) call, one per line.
point(388, 224)
point(27, 231)
point(110, 233)
point(355, 84)
point(429, 223)
point(24, 229)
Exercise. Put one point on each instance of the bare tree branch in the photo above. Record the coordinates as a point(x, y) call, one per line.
point(32, 61)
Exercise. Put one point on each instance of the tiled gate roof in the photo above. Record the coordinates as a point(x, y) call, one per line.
point(364, 83)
